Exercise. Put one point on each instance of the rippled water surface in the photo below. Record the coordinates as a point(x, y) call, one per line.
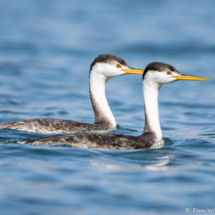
point(46, 48)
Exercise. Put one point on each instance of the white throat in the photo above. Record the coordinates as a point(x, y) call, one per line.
point(97, 90)
point(150, 93)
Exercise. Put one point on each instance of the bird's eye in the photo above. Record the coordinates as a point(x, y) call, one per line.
point(118, 65)
point(168, 73)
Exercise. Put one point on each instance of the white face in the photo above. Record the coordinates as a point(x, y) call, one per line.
point(110, 70)
point(163, 77)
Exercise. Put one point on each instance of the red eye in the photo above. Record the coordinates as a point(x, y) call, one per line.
point(118, 66)
point(168, 73)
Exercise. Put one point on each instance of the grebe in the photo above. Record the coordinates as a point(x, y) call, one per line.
point(102, 69)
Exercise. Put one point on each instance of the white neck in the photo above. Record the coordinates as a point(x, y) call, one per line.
point(99, 101)
point(150, 92)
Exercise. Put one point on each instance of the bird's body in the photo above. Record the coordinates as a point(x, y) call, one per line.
point(155, 75)
point(54, 126)
point(97, 140)
point(102, 69)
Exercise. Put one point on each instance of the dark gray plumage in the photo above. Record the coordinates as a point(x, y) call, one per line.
point(157, 66)
point(97, 140)
point(108, 58)
point(68, 126)
point(51, 126)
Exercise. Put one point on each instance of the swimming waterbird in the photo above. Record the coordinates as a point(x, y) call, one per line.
point(103, 68)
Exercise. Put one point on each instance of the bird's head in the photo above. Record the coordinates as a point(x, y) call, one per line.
point(112, 66)
point(162, 73)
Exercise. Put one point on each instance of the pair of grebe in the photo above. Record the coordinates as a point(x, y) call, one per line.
point(102, 69)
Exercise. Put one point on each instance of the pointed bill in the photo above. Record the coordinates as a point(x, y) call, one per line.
point(190, 78)
point(133, 71)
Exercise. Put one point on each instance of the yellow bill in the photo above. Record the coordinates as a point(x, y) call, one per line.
point(190, 78)
point(133, 71)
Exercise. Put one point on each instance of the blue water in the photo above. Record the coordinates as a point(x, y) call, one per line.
point(46, 48)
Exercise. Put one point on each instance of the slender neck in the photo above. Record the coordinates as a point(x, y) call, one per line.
point(102, 111)
point(152, 123)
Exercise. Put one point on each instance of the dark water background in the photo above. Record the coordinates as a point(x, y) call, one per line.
point(46, 48)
